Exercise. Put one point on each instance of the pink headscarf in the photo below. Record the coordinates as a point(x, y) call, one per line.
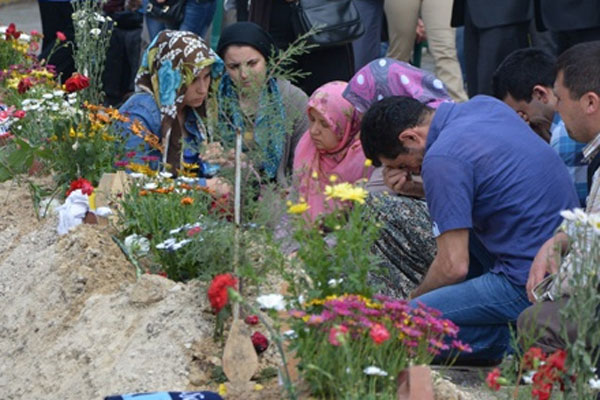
point(346, 161)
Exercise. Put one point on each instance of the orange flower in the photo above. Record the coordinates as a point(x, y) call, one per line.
point(186, 201)
point(143, 192)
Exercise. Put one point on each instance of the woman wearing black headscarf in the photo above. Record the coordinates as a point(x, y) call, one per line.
point(268, 110)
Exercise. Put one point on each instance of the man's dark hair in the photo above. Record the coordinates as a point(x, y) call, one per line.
point(383, 122)
point(520, 71)
point(580, 66)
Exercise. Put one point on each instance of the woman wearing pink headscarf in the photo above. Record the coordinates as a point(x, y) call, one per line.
point(330, 147)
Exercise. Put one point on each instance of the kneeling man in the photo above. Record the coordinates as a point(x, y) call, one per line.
point(494, 193)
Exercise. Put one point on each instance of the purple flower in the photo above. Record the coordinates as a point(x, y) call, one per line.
point(121, 163)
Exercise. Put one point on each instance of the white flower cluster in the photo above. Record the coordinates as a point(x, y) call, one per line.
point(52, 102)
point(579, 217)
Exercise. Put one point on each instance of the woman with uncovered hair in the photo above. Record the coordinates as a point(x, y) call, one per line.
point(406, 244)
point(171, 88)
point(269, 111)
point(330, 147)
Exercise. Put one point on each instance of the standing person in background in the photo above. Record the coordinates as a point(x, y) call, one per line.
point(197, 17)
point(367, 47)
point(402, 17)
point(570, 22)
point(493, 30)
point(56, 17)
point(334, 63)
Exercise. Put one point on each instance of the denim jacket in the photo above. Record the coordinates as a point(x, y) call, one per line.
point(143, 107)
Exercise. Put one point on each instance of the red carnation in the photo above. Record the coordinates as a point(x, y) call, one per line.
point(260, 342)
point(532, 358)
point(557, 360)
point(217, 291)
point(11, 32)
point(76, 82)
point(60, 36)
point(492, 379)
point(24, 85)
point(83, 184)
point(379, 333)
point(19, 114)
point(251, 319)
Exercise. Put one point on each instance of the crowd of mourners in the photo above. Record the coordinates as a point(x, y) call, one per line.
point(468, 190)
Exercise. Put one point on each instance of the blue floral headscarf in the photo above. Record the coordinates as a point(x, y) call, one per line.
point(170, 64)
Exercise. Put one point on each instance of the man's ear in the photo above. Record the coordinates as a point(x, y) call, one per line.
point(408, 136)
point(541, 93)
point(590, 102)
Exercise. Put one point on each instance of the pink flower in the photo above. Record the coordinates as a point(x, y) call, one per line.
point(336, 333)
point(379, 333)
point(492, 379)
point(251, 319)
point(121, 163)
point(149, 158)
point(460, 346)
point(130, 154)
point(34, 33)
point(60, 36)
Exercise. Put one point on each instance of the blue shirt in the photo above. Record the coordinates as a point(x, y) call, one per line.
point(571, 153)
point(143, 107)
point(485, 169)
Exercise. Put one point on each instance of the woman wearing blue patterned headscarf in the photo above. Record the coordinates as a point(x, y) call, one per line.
point(268, 111)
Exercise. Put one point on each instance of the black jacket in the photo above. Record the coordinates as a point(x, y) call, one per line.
point(566, 15)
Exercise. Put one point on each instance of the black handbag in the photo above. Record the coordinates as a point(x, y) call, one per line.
point(170, 12)
point(338, 21)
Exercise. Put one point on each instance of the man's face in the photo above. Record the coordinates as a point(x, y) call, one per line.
point(571, 111)
point(410, 162)
point(538, 113)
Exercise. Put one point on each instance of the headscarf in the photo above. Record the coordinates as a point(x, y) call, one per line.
point(247, 33)
point(269, 130)
point(346, 161)
point(386, 77)
point(169, 65)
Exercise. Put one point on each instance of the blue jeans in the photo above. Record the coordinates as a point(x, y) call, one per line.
point(483, 306)
point(197, 18)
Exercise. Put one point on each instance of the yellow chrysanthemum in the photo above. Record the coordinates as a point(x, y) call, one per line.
point(298, 208)
point(346, 192)
point(368, 163)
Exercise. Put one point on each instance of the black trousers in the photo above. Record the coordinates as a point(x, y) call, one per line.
point(322, 64)
point(56, 16)
point(122, 63)
point(486, 48)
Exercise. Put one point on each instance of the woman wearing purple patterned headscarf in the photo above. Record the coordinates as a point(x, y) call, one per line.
point(406, 244)
point(387, 77)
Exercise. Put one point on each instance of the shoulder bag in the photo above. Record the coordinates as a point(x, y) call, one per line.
point(170, 11)
point(337, 21)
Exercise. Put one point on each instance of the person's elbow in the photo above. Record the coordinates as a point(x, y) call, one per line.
point(457, 270)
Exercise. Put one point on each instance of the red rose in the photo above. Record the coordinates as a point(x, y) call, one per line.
point(492, 379)
point(379, 333)
point(19, 114)
point(260, 342)
point(76, 82)
point(24, 85)
point(251, 319)
point(83, 184)
point(60, 36)
point(11, 32)
point(217, 291)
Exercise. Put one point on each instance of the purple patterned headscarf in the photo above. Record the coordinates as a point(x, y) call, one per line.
point(386, 77)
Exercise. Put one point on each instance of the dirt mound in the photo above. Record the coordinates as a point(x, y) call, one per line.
point(76, 324)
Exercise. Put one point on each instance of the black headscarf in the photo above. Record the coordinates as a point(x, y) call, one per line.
point(247, 33)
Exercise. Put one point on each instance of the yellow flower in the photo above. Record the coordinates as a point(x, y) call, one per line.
point(298, 208)
point(368, 163)
point(346, 192)
point(332, 178)
point(72, 132)
point(222, 390)
point(315, 175)
point(258, 387)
